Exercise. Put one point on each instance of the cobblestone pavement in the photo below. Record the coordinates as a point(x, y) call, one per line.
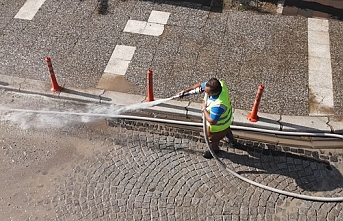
point(151, 177)
point(107, 170)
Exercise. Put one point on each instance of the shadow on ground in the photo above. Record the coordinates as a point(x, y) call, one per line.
point(309, 174)
point(316, 8)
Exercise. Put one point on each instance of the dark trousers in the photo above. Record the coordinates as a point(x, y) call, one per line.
point(215, 137)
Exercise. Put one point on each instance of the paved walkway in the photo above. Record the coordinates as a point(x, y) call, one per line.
point(331, 9)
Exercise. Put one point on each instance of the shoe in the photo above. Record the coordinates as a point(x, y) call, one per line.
point(232, 144)
point(208, 154)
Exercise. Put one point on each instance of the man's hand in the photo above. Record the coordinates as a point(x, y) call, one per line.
point(181, 94)
point(203, 106)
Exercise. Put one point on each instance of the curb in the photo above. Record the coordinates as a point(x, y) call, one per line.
point(190, 110)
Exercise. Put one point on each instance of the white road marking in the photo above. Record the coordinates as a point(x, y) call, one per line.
point(153, 29)
point(154, 26)
point(159, 17)
point(120, 60)
point(135, 26)
point(29, 9)
point(319, 65)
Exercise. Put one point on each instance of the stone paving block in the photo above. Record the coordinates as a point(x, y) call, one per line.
point(320, 14)
point(288, 10)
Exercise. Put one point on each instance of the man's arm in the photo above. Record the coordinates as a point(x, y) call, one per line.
point(213, 116)
point(192, 87)
point(208, 118)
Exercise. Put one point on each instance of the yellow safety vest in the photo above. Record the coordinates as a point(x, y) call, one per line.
point(226, 118)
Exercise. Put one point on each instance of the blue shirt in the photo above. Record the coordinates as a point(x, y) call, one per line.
point(216, 110)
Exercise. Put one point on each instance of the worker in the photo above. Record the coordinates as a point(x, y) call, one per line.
point(217, 111)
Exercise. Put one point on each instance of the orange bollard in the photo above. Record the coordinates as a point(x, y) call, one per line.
point(150, 90)
point(55, 87)
point(253, 115)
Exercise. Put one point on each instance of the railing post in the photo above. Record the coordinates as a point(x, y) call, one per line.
point(55, 87)
point(150, 96)
point(253, 115)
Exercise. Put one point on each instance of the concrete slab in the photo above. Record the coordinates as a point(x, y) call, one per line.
point(265, 121)
point(159, 17)
point(305, 124)
point(116, 67)
point(319, 50)
point(320, 80)
point(318, 37)
point(319, 64)
point(153, 29)
point(123, 52)
point(120, 60)
point(321, 89)
point(135, 26)
point(145, 28)
point(318, 24)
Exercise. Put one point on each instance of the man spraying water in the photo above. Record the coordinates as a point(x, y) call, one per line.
point(217, 111)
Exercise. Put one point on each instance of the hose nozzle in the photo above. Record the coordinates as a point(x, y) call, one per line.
point(197, 90)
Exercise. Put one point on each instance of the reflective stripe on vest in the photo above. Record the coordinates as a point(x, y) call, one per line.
point(226, 118)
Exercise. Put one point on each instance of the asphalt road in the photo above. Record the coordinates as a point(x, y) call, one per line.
point(245, 49)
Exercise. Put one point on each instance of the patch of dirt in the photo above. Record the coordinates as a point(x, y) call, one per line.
point(115, 83)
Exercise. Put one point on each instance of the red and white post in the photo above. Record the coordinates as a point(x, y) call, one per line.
point(150, 96)
point(55, 87)
point(253, 115)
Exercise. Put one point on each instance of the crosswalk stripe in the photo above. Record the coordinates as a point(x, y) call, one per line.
point(154, 26)
point(29, 9)
point(319, 65)
point(120, 60)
